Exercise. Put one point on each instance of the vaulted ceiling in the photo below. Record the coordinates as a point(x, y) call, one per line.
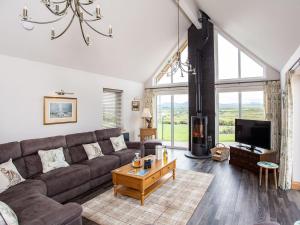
point(145, 31)
point(268, 28)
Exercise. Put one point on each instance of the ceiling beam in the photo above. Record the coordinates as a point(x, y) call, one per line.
point(190, 9)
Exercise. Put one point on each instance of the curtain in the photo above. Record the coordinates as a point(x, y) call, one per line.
point(286, 154)
point(273, 112)
point(149, 101)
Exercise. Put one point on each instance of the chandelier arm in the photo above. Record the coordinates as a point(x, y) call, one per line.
point(58, 13)
point(59, 2)
point(94, 29)
point(86, 3)
point(82, 32)
point(89, 13)
point(65, 30)
point(44, 22)
point(91, 20)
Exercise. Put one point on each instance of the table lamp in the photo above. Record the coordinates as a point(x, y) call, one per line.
point(147, 116)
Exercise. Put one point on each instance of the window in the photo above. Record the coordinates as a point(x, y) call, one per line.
point(172, 119)
point(233, 63)
point(163, 78)
point(238, 104)
point(112, 108)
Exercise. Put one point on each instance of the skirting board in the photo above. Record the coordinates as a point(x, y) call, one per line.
point(296, 185)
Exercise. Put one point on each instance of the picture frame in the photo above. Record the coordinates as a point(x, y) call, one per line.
point(135, 105)
point(60, 110)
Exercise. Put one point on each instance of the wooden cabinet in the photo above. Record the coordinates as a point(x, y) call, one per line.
point(247, 159)
point(147, 133)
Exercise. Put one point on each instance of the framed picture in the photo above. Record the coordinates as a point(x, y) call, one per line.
point(135, 105)
point(60, 110)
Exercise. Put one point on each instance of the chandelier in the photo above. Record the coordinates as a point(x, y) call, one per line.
point(176, 64)
point(78, 10)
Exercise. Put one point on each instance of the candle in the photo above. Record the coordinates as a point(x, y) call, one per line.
point(25, 12)
point(52, 33)
point(98, 12)
point(110, 30)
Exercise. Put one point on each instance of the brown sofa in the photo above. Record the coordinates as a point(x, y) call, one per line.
point(38, 200)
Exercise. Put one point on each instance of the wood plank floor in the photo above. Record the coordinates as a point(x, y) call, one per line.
point(234, 197)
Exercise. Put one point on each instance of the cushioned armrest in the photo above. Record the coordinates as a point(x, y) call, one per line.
point(134, 145)
point(60, 216)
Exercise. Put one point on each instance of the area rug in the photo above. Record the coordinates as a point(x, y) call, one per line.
point(173, 203)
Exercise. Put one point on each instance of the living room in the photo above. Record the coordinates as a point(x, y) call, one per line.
point(149, 112)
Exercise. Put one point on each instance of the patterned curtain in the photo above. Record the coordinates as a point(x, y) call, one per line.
point(286, 154)
point(148, 100)
point(273, 112)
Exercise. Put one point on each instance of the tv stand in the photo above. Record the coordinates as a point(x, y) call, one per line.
point(247, 158)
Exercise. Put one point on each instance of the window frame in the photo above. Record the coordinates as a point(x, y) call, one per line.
point(120, 117)
point(234, 88)
point(240, 49)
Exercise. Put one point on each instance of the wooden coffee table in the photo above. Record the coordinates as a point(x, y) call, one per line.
point(127, 182)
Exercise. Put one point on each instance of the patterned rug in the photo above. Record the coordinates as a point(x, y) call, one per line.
point(173, 203)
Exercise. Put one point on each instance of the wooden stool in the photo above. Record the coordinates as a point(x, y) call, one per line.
point(267, 166)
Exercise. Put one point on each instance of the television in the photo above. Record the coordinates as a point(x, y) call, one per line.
point(254, 133)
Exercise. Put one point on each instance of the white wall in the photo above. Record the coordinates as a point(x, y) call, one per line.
point(23, 84)
point(296, 128)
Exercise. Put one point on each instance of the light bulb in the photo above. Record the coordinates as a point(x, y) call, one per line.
point(52, 33)
point(25, 13)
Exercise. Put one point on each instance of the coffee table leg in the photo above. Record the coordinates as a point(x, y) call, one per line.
point(174, 174)
point(275, 178)
point(115, 190)
point(142, 198)
point(260, 175)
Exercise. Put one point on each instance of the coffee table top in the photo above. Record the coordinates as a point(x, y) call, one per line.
point(157, 165)
point(267, 165)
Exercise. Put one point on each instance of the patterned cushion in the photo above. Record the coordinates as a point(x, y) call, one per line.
point(92, 150)
point(118, 143)
point(52, 159)
point(8, 216)
point(9, 175)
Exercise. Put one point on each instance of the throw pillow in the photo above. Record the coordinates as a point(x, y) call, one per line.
point(7, 215)
point(118, 143)
point(52, 159)
point(93, 150)
point(9, 175)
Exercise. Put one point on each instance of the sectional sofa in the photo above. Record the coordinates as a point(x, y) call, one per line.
point(39, 200)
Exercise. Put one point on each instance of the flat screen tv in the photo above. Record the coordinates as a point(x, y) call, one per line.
point(253, 132)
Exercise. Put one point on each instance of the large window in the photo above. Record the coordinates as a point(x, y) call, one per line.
point(233, 63)
point(112, 108)
point(173, 119)
point(237, 104)
point(165, 78)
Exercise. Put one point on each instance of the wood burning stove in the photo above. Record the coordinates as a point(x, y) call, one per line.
point(199, 143)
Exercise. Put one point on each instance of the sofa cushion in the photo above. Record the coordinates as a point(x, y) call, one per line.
point(9, 175)
point(63, 179)
point(118, 143)
point(106, 147)
point(102, 165)
point(8, 216)
point(52, 159)
point(126, 156)
point(39, 209)
point(25, 188)
point(75, 144)
point(106, 134)
point(13, 151)
point(31, 147)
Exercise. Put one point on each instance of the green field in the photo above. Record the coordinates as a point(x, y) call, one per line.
point(227, 115)
point(180, 132)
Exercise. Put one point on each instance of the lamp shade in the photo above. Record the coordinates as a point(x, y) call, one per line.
point(146, 113)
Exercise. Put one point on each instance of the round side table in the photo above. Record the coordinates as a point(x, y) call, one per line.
point(267, 166)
